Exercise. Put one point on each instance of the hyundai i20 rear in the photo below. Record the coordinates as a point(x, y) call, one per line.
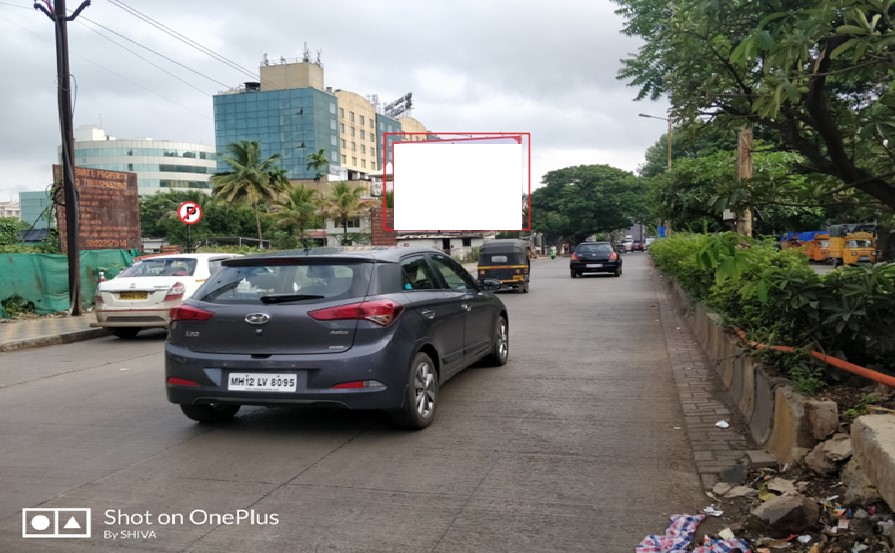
point(381, 329)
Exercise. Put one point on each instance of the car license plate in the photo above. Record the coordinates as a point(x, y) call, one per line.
point(261, 382)
point(863, 258)
point(133, 295)
point(594, 265)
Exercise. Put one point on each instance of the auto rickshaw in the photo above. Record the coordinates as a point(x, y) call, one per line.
point(859, 247)
point(506, 260)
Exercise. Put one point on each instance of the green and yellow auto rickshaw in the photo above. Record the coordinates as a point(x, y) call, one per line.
point(508, 261)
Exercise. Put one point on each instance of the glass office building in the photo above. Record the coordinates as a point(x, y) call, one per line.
point(37, 209)
point(292, 122)
point(160, 165)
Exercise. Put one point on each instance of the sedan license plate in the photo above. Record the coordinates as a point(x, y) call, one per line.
point(594, 265)
point(261, 382)
point(133, 295)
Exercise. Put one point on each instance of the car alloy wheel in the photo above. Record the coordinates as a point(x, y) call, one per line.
point(500, 351)
point(424, 389)
point(418, 410)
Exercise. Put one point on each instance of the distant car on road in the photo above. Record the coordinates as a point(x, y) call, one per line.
point(142, 295)
point(637, 246)
point(595, 257)
point(369, 329)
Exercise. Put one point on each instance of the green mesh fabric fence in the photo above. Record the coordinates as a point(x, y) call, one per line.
point(42, 279)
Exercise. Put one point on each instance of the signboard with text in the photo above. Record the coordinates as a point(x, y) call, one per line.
point(109, 209)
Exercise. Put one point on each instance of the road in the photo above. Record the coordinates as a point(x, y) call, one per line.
point(569, 447)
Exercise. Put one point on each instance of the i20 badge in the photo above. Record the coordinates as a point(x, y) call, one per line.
point(257, 318)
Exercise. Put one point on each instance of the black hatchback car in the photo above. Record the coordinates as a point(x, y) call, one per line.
point(595, 257)
point(374, 329)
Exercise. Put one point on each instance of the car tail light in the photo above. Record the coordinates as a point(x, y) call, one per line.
point(381, 312)
point(182, 381)
point(175, 292)
point(358, 384)
point(574, 257)
point(613, 256)
point(98, 297)
point(190, 313)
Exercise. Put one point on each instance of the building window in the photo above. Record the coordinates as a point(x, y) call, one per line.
point(363, 134)
point(373, 165)
point(467, 242)
point(372, 151)
point(344, 158)
point(342, 113)
point(363, 163)
point(363, 149)
point(351, 117)
point(353, 222)
point(352, 132)
point(334, 157)
point(332, 107)
point(362, 120)
point(332, 139)
point(372, 138)
point(354, 161)
point(371, 124)
point(332, 124)
point(354, 146)
point(342, 126)
point(344, 144)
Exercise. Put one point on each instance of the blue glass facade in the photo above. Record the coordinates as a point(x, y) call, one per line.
point(293, 123)
point(36, 209)
point(383, 125)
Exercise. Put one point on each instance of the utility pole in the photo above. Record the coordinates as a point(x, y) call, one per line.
point(744, 175)
point(57, 14)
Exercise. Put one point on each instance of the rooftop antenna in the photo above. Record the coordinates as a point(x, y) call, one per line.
point(264, 59)
point(320, 63)
point(306, 54)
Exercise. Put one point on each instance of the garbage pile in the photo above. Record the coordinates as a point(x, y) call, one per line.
point(823, 503)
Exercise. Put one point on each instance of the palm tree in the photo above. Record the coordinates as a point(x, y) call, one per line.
point(318, 162)
point(299, 208)
point(345, 201)
point(250, 179)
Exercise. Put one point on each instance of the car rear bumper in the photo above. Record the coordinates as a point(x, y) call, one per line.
point(605, 266)
point(143, 318)
point(315, 377)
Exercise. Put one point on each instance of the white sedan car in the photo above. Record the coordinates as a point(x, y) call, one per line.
point(142, 295)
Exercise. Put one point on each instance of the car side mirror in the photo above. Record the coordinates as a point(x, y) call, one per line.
point(490, 284)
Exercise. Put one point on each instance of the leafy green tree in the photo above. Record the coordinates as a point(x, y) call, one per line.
point(298, 209)
point(815, 73)
point(318, 162)
point(579, 201)
point(343, 202)
point(9, 230)
point(251, 179)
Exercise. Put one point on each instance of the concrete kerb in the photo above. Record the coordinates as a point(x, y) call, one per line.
point(65, 338)
point(774, 411)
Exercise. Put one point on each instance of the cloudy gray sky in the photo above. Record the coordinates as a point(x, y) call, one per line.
point(501, 65)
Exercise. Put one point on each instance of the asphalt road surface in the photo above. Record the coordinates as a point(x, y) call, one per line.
point(569, 447)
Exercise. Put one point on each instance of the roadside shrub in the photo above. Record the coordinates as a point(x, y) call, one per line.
point(16, 305)
point(778, 299)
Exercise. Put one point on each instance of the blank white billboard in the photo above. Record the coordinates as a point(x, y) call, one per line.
point(458, 186)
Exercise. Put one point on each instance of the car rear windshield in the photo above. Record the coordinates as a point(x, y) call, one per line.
point(286, 283)
point(161, 267)
point(594, 248)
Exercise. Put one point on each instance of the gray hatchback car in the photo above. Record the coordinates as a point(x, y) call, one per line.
point(375, 329)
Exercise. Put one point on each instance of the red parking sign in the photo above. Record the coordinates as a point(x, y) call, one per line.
point(189, 212)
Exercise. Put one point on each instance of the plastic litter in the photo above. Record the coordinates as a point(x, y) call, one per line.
point(711, 510)
point(722, 424)
point(727, 534)
point(804, 538)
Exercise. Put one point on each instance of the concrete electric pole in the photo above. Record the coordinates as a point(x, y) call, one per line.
point(57, 14)
point(744, 175)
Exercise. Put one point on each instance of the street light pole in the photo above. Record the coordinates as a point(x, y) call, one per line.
point(670, 130)
point(670, 122)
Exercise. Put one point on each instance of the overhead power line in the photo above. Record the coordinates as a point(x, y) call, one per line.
point(190, 69)
point(183, 38)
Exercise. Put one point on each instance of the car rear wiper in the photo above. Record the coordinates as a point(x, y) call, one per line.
point(281, 298)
